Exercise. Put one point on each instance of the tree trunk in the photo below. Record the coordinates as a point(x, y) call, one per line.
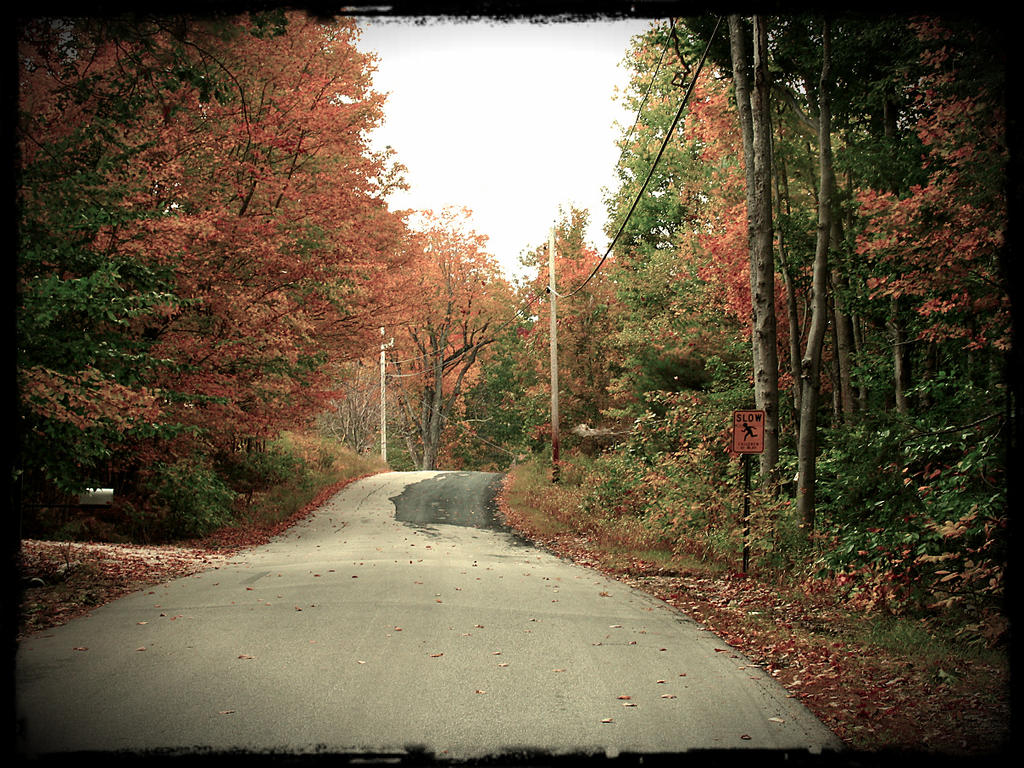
point(897, 335)
point(858, 348)
point(810, 365)
point(783, 206)
point(844, 352)
point(900, 356)
point(835, 375)
point(755, 123)
point(435, 401)
point(843, 328)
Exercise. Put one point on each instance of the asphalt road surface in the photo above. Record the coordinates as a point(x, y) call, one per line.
point(399, 619)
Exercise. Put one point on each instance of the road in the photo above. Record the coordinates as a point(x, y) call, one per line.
point(399, 618)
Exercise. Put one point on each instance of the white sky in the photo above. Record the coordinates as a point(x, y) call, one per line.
point(509, 119)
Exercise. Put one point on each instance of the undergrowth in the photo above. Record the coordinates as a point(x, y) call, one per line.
point(629, 530)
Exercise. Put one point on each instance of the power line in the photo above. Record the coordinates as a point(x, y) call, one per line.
point(537, 296)
point(650, 87)
point(654, 165)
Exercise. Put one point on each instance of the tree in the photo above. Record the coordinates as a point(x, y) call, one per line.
point(587, 318)
point(755, 121)
point(504, 405)
point(461, 300)
point(203, 232)
point(353, 418)
point(938, 245)
point(810, 364)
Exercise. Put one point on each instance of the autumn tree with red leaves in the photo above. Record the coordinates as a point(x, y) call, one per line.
point(938, 247)
point(203, 233)
point(461, 300)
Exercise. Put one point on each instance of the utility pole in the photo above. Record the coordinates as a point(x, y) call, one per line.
point(383, 396)
point(554, 357)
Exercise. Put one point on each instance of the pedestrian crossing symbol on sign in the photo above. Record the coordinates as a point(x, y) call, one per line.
point(748, 431)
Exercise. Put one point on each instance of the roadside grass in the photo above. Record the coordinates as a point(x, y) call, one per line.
point(880, 681)
point(543, 509)
point(323, 465)
point(906, 636)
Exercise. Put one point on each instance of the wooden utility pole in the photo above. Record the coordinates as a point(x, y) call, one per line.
point(554, 356)
point(383, 397)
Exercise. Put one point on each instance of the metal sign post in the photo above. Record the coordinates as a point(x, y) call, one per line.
point(747, 438)
point(746, 511)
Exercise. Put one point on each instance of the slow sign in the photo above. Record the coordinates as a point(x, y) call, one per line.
point(748, 431)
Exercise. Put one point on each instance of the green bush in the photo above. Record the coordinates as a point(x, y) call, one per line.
point(916, 517)
point(248, 472)
point(188, 498)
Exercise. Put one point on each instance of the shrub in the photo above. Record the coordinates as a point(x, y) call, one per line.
point(247, 472)
point(187, 498)
point(912, 519)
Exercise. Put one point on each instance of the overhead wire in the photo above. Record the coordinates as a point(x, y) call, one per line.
point(639, 114)
point(679, 112)
point(654, 165)
point(636, 120)
point(650, 87)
